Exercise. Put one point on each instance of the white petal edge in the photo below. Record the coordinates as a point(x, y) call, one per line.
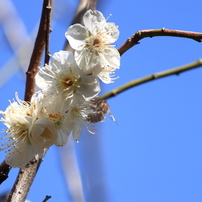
point(92, 18)
point(111, 57)
point(76, 35)
point(16, 158)
point(43, 135)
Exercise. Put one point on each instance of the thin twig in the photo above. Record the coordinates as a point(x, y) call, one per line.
point(4, 170)
point(26, 175)
point(83, 6)
point(152, 77)
point(3, 166)
point(46, 199)
point(37, 51)
point(47, 33)
point(157, 32)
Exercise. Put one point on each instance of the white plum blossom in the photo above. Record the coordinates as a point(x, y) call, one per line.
point(58, 119)
point(93, 52)
point(27, 133)
point(62, 82)
point(77, 117)
point(67, 100)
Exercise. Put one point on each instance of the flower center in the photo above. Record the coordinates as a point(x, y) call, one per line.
point(56, 119)
point(47, 134)
point(75, 110)
point(67, 82)
point(97, 42)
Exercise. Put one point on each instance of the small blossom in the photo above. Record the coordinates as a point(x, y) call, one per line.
point(58, 119)
point(26, 133)
point(94, 54)
point(62, 82)
point(77, 117)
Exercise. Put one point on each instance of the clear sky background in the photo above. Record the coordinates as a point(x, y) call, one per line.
point(154, 153)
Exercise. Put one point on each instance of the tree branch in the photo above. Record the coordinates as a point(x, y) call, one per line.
point(26, 175)
point(152, 77)
point(157, 32)
point(46, 199)
point(4, 170)
point(47, 33)
point(23, 181)
point(83, 6)
point(38, 50)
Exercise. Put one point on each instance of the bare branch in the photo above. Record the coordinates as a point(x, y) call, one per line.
point(23, 181)
point(47, 33)
point(26, 175)
point(46, 199)
point(83, 6)
point(4, 170)
point(152, 77)
point(157, 32)
point(37, 51)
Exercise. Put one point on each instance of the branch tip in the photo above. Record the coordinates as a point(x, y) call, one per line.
point(158, 32)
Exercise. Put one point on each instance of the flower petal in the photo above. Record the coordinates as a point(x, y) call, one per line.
point(111, 32)
point(60, 59)
point(76, 35)
point(105, 77)
point(64, 131)
point(61, 138)
point(20, 156)
point(44, 79)
point(111, 57)
point(77, 130)
point(88, 62)
point(43, 135)
point(92, 19)
point(91, 89)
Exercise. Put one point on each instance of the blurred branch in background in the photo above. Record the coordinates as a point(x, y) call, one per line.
point(95, 182)
point(17, 39)
point(93, 179)
point(71, 172)
point(8, 18)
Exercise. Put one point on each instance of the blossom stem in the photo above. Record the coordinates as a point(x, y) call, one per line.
point(134, 40)
point(136, 82)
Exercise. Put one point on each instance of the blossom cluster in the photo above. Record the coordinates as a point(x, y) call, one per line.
point(68, 97)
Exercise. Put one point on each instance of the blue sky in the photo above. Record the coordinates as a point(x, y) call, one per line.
point(154, 152)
